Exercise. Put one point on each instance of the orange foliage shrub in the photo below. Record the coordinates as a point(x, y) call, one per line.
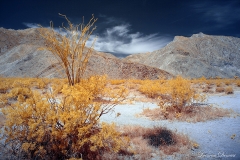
point(227, 82)
point(117, 81)
point(219, 89)
point(238, 83)
point(70, 49)
point(51, 127)
point(65, 125)
point(180, 94)
point(175, 93)
point(229, 90)
point(152, 88)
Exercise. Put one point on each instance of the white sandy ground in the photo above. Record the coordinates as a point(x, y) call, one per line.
point(213, 137)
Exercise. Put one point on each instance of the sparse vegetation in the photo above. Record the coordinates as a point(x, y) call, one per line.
point(70, 49)
point(49, 126)
point(175, 93)
point(229, 90)
point(220, 89)
point(186, 109)
point(147, 141)
point(189, 114)
point(20, 92)
point(64, 122)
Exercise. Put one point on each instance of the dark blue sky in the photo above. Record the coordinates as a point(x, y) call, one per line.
point(129, 26)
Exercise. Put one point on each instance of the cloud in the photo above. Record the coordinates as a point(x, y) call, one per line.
point(223, 15)
point(35, 25)
point(119, 38)
point(31, 25)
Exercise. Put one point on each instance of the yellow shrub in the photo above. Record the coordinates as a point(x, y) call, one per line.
point(179, 93)
point(227, 82)
point(220, 89)
point(40, 83)
point(219, 83)
point(210, 81)
point(238, 83)
point(65, 125)
point(117, 81)
point(229, 90)
point(5, 84)
point(175, 93)
point(70, 49)
point(51, 127)
point(151, 88)
point(136, 81)
point(202, 79)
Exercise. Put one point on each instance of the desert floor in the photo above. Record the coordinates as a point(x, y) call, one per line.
point(217, 139)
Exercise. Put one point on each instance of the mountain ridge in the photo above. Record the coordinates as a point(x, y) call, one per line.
point(196, 56)
point(191, 57)
point(20, 57)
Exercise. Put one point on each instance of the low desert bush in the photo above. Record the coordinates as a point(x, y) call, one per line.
point(189, 114)
point(146, 141)
point(70, 49)
point(151, 88)
point(63, 123)
point(207, 90)
point(117, 81)
point(136, 81)
point(50, 127)
point(176, 93)
point(227, 82)
point(179, 94)
point(219, 84)
point(220, 89)
point(210, 82)
point(229, 90)
point(201, 80)
point(238, 83)
point(4, 84)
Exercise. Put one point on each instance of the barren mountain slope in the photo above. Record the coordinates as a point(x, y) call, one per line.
point(19, 56)
point(196, 56)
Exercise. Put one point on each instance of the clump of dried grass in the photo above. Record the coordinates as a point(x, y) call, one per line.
point(140, 149)
point(238, 83)
point(149, 141)
point(192, 113)
point(227, 82)
point(207, 90)
point(229, 90)
point(219, 84)
point(219, 89)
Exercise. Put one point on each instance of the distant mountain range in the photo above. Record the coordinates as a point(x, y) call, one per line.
point(196, 56)
point(20, 57)
point(193, 57)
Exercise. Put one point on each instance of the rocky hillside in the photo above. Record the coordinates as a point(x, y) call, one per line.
point(19, 56)
point(196, 56)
